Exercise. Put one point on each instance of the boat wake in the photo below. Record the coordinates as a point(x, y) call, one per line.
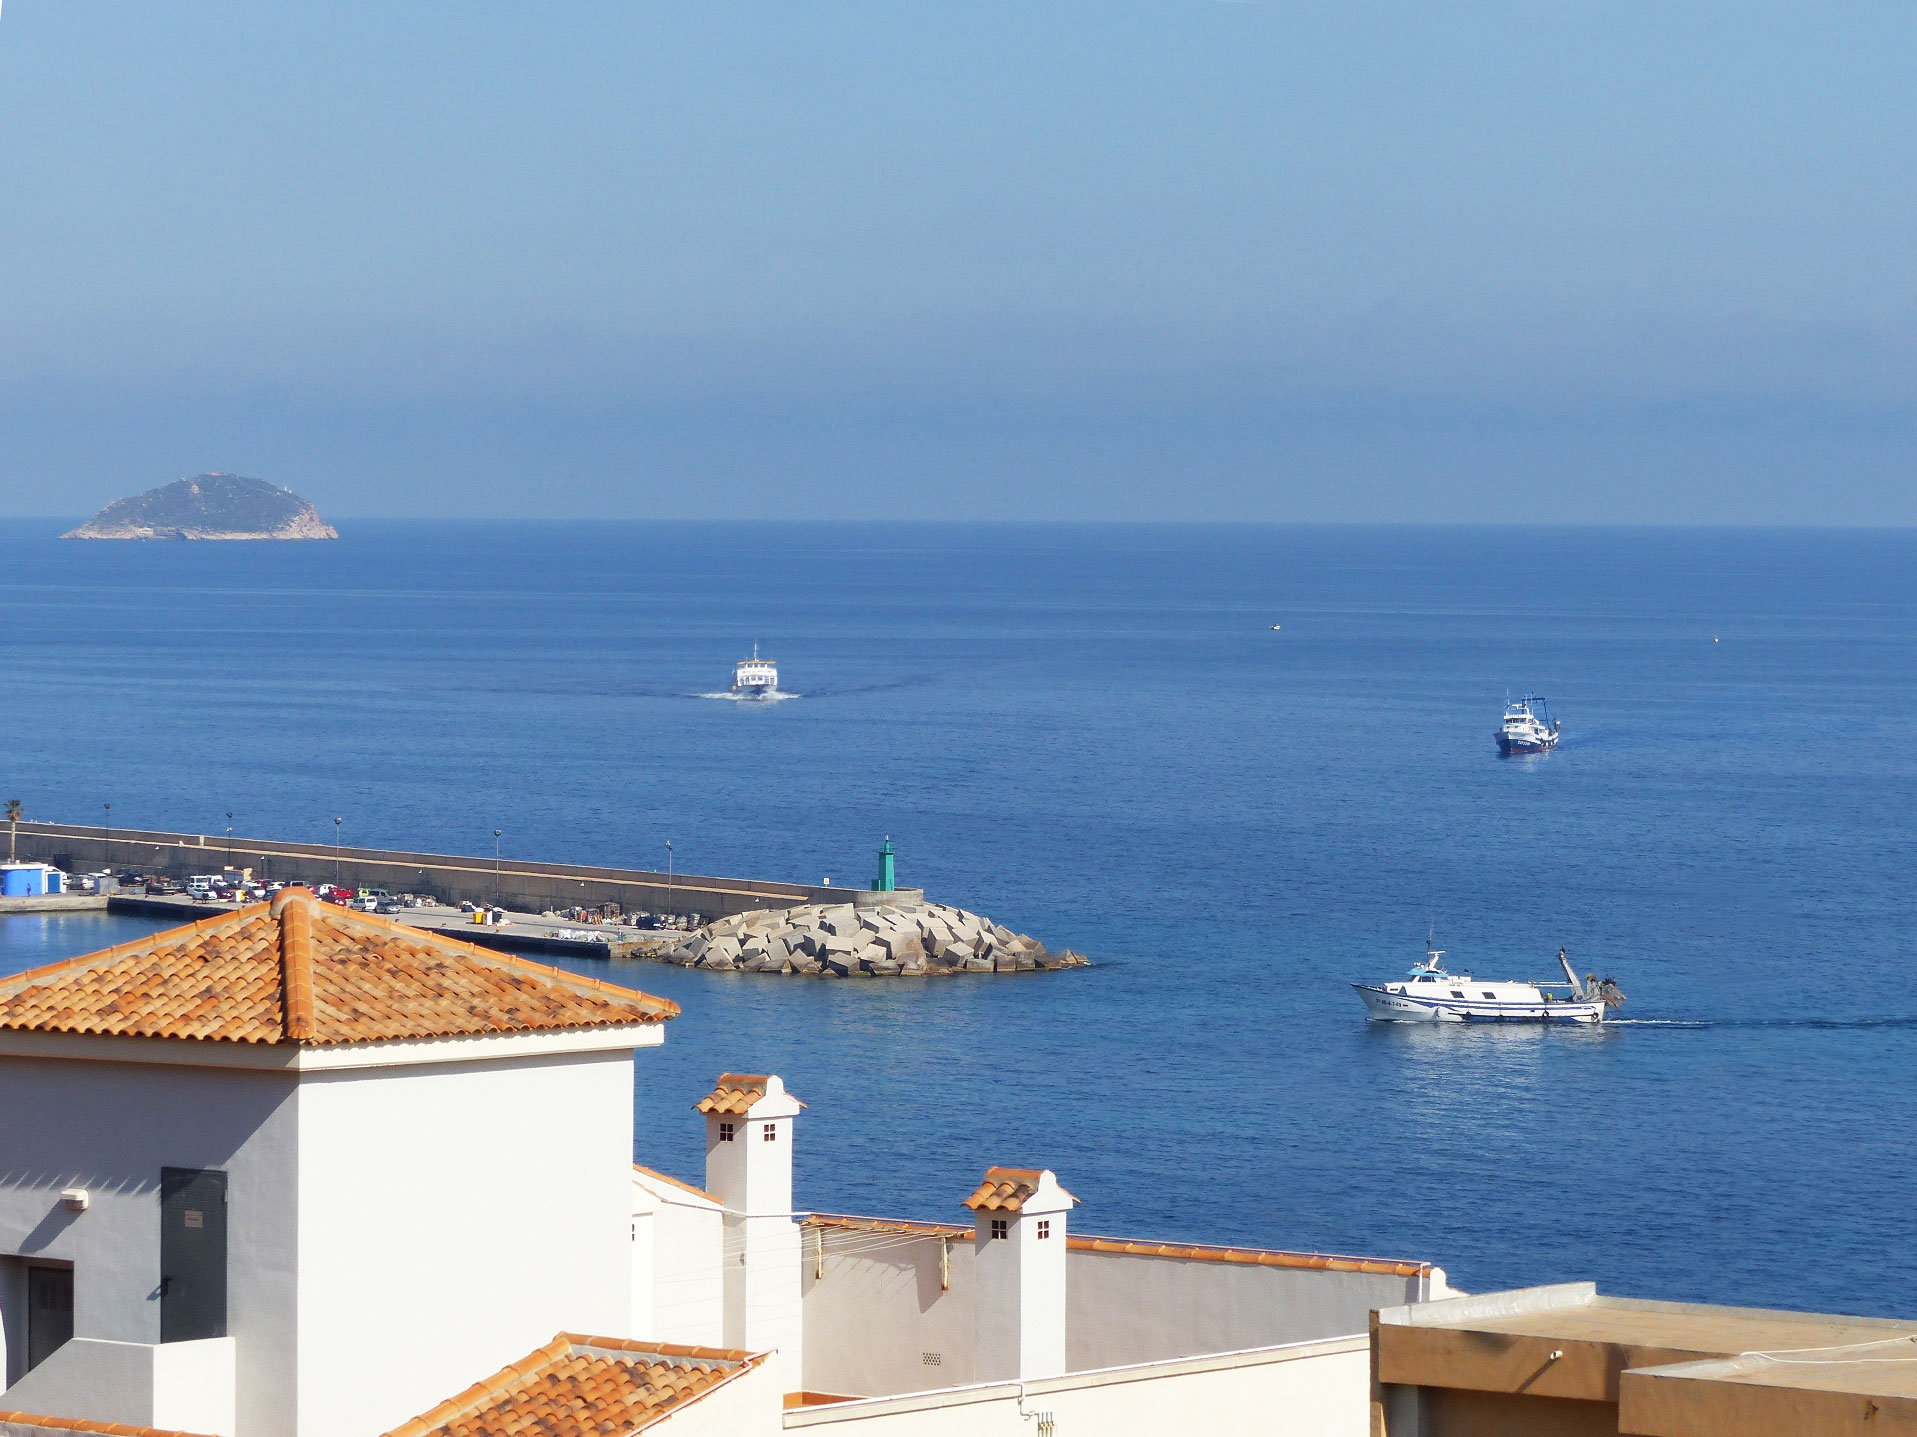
point(1762, 1023)
point(776, 698)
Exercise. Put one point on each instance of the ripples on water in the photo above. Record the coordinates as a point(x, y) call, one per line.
point(1094, 735)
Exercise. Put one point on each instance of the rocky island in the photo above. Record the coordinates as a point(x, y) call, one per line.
point(844, 940)
point(209, 506)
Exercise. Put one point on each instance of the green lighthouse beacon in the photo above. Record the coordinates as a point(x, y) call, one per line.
point(887, 881)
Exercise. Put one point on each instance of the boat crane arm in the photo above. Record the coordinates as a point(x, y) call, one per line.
point(1570, 973)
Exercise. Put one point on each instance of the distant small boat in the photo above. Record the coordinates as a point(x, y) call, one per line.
point(1276, 627)
point(1429, 994)
point(755, 678)
point(1525, 729)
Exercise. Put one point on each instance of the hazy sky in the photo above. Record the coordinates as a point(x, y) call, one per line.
point(1200, 260)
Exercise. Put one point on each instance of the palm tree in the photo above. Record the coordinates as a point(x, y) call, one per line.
point(13, 824)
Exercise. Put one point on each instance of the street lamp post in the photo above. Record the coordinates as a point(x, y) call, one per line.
point(229, 838)
point(108, 843)
point(496, 902)
point(336, 853)
point(668, 878)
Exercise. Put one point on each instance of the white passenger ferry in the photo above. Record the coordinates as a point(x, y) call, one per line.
point(755, 678)
point(1525, 729)
point(1429, 994)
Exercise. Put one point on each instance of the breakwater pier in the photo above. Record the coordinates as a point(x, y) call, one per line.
point(506, 883)
point(696, 920)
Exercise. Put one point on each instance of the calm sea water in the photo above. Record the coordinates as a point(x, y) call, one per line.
point(1095, 735)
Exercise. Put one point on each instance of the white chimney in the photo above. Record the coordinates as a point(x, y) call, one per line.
point(1020, 1240)
point(749, 1129)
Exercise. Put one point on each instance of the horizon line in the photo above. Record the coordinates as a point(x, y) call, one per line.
point(867, 521)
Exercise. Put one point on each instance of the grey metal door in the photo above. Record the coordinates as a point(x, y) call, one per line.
point(49, 1311)
point(192, 1254)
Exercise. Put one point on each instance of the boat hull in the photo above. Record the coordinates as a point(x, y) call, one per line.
point(1509, 746)
point(1384, 1006)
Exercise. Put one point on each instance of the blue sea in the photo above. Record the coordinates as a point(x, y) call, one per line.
point(1096, 735)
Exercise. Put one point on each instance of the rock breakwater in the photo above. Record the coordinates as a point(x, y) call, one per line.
point(842, 940)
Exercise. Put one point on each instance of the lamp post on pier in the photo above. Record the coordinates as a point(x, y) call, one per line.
point(336, 853)
point(107, 844)
point(668, 878)
point(229, 838)
point(496, 902)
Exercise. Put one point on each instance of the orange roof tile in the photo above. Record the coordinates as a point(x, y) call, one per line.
point(1261, 1257)
point(300, 972)
point(1005, 1189)
point(1257, 1256)
point(583, 1387)
point(735, 1095)
point(671, 1181)
point(81, 1424)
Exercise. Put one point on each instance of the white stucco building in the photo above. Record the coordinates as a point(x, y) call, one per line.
point(300, 1172)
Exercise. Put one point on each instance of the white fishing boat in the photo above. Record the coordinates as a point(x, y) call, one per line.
point(1431, 994)
point(1527, 729)
point(755, 678)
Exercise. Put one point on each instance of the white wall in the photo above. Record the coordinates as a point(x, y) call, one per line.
point(748, 1405)
point(1312, 1390)
point(688, 1294)
point(878, 1312)
point(110, 1128)
point(452, 1219)
point(1124, 1308)
point(174, 1386)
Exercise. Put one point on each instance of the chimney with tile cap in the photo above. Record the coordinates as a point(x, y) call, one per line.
point(1020, 1244)
point(749, 1129)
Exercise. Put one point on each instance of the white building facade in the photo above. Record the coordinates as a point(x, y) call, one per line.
point(253, 1234)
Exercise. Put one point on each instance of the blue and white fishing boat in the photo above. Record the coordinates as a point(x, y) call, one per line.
point(1527, 729)
point(1431, 994)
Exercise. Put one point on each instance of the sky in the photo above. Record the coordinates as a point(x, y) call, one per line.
point(1338, 262)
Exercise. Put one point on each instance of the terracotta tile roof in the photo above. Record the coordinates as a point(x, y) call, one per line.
point(81, 1424)
point(1005, 1189)
point(302, 972)
point(1260, 1257)
point(735, 1095)
point(671, 1181)
point(583, 1387)
point(1256, 1256)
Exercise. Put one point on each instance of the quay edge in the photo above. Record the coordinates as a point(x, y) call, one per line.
point(517, 884)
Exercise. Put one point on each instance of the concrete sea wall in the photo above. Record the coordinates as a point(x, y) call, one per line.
point(533, 887)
